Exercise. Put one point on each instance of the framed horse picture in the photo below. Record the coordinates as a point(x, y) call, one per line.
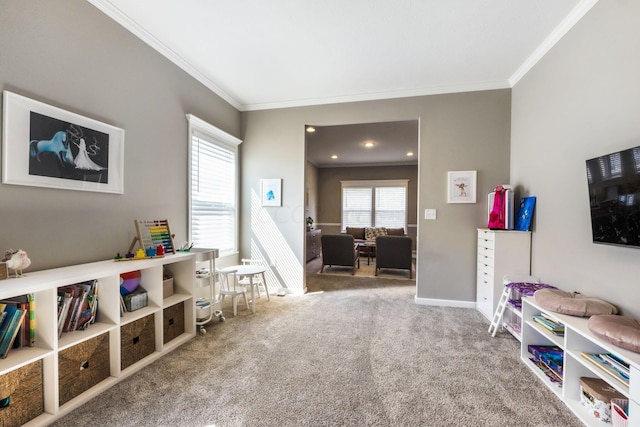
point(46, 146)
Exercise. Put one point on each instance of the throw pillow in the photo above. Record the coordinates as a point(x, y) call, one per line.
point(395, 231)
point(370, 233)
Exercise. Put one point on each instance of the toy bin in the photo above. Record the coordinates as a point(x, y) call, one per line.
point(21, 395)
point(596, 395)
point(82, 366)
point(619, 408)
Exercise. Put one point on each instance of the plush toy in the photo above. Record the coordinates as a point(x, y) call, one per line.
point(16, 261)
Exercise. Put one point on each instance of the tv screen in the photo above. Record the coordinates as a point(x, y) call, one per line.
point(614, 195)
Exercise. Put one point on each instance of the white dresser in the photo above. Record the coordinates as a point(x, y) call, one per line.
point(500, 252)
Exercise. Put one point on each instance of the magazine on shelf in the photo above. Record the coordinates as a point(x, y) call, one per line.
point(549, 324)
point(605, 365)
point(551, 356)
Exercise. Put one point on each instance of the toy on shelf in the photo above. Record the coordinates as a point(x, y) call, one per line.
point(153, 233)
point(16, 261)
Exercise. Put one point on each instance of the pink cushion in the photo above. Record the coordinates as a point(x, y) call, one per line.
point(618, 330)
point(572, 304)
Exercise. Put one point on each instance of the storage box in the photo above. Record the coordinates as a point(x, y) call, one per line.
point(596, 395)
point(83, 366)
point(167, 287)
point(21, 395)
point(136, 299)
point(172, 322)
point(137, 341)
point(4, 271)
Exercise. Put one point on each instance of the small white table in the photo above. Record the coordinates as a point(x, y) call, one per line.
point(249, 270)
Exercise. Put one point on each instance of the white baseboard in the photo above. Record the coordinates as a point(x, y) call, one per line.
point(445, 303)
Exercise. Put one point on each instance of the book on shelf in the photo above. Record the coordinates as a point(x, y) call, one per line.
point(13, 328)
point(77, 306)
point(551, 356)
point(27, 333)
point(604, 364)
point(549, 324)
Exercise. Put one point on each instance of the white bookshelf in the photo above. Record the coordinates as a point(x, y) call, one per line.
point(44, 285)
point(578, 339)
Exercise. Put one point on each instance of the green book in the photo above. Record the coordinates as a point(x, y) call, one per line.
point(12, 332)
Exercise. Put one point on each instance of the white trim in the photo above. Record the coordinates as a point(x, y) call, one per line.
point(196, 123)
point(121, 18)
point(444, 303)
point(376, 183)
point(408, 93)
point(563, 28)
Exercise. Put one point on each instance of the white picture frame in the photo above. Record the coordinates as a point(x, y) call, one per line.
point(46, 146)
point(271, 192)
point(461, 186)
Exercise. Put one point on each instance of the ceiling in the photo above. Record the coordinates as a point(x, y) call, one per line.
point(260, 54)
point(390, 143)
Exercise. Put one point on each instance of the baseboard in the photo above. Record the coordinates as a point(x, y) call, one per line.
point(445, 302)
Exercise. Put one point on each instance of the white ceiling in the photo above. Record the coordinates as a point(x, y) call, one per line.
point(261, 54)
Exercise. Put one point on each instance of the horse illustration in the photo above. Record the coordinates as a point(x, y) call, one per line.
point(58, 145)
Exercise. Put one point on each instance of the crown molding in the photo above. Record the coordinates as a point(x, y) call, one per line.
point(375, 96)
point(106, 7)
point(563, 28)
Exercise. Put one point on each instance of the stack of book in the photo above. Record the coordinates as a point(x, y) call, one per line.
point(611, 364)
point(549, 324)
point(17, 323)
point(77, 306)
point(550, 359)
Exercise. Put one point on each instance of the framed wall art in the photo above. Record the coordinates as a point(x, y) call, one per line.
point(45, 146)
point(461, 187)
point(271, 192)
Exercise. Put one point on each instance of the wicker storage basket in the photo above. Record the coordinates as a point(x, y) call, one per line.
point(172, 322)
point(21, 395)
point(83, 366)
point(137, 341)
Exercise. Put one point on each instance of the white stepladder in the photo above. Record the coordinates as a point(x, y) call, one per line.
point(207, 303)
point(507, 293)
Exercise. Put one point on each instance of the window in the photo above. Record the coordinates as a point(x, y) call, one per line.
point(374, 204)
point(213, 195)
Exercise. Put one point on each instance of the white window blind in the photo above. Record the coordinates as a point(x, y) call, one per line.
point(214, 189)
point(374, 204)
point(356, 207)
point(391, 205)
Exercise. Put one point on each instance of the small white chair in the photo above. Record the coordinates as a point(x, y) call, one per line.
point(257, 278)
point(229, 285)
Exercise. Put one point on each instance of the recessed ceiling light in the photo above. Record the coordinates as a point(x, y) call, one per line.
point(334, 157)
point(368, 144)
point(410, 153)
point(311, 129)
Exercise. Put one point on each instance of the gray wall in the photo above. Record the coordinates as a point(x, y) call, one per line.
point(581, 101)
point(70, 55)
point(465, 131)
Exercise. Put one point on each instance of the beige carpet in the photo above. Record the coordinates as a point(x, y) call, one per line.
point(352, 352)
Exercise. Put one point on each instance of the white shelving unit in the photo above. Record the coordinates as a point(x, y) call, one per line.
point(578, 339)
point(48, 349)
point(500, 253)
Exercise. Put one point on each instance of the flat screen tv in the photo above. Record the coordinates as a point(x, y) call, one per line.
point(614, 195)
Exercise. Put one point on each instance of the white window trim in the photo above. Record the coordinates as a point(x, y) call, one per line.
point(199, 126)
point(373, 184)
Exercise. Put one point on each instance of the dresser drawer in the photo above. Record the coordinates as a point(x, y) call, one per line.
point(486, 253)
point(486, 234)
point(485, 270)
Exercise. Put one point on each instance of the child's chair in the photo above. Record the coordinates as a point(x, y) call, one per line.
point(229, 285)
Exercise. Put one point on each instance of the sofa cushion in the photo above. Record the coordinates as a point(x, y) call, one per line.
point(395, 231)
point(356, 232)
point(370, 233)
point(618, 330)
point(572, 304)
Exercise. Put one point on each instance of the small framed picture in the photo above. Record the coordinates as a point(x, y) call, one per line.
point(271, 192)
point(461, 187)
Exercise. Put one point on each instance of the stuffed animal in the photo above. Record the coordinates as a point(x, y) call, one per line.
point(16, 261)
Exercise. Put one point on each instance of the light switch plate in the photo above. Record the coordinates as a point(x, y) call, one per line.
point(429, 214)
